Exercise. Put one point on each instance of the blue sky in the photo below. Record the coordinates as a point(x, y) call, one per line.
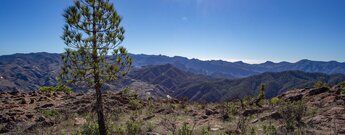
point(249, 30)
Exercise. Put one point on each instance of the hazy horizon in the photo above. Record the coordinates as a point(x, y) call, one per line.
point(190, 58)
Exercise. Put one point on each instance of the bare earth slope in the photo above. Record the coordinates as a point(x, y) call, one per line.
point(58, 113)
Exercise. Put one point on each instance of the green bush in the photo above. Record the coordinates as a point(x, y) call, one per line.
point(205, 131)
point(262, 91)
point(116, 129)
point(91, 128)
point(247, 100)
point(292, 114)
point(320, 84)
point(253, 130)
point(342, 88)
point(342, 84)
point(269, 129)
point(185, 130)
point(230, 111)
point(149, 127)
point(134, 127)
point(62, 88)
point(275, 101)
point(49, 112)
point(135, 104)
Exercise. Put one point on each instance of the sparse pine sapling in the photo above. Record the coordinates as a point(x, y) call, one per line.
point(93, 32)
point(261, 95)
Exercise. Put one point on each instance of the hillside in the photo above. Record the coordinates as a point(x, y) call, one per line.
point(201, 88)
point(321, 111)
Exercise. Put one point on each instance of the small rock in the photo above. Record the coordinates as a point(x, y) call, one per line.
point(24, 101)
point(274, 115)
point(47, 105)
point(79, 121)
point(40, 119)
point(149, 117)
point(335, 111)
point(32, 100)
point(160, 110)
point(204, 117)
point(152, 133)
point(29, 116)
point(255, 120)
point(340, 102)
point(249, 112)
point(8, 127)
point(317, 120)
point(216, 128)
point(208, 112)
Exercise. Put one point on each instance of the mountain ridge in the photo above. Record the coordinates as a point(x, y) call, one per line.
point(28, 72)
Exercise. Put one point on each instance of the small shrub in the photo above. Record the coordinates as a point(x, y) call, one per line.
point(149, 127)
point(230, 111)
point(252, 130)
point(126, 92)
point(320, 84)
point(312, 111)
point(134, 127)
point(261, 95)
point(275, 101)
point(116, 129)
point(247, 100)
point(269, 129)
point(342, 92)
point(135, 104)
point(292, 114)
point(49, 112)
point(342, 88)
point(205, 131)
point(47, 89)
point(91, 128)
point(62, 88)
point(185, 130)
point(342, 84)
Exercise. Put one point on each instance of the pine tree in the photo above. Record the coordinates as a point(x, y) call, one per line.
point(93, 30)
point(262, 92)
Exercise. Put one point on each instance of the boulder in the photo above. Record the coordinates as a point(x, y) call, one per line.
point(273, 115)
point(209, 112)
point(317, 91)
point(40, 119)
point(340, 102)
point(149, 117)
point(79, 121)
point(160, 110)
point(204, 117)
point(24, 100)
point(249, 112)
point(47, 105)
point(216, 128)
point(8, 127)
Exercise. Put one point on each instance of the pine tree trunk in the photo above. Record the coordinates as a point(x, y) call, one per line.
point(99, 102)
point(96, 70)
point(99, 109)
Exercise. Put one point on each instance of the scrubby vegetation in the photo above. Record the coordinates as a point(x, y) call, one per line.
point(62, 88)
point(295, 112)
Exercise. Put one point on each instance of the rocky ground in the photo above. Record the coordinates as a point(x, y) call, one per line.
point(61, 113)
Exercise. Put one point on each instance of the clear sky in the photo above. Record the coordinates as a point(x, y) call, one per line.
point(248, 30)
